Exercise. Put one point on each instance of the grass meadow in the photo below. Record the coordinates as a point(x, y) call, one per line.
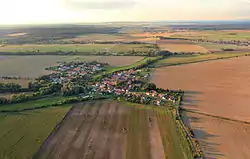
point(30, 104)
point(22, 134)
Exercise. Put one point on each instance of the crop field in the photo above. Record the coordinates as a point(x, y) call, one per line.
point(148, 34)
point(130, 47)
point(106, 37)
point(219, 88)
point(78, 48)
point(30, 104)
point(106, 129)
point(180, 46)
point(34, 66)
point(183, 48)
point(219, 138)
point(185, 59)
point(219, 47)
point(22, 134)
point(97, 37)
point(214, 35)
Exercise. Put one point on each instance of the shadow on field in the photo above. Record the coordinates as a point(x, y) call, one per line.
point(210, 149)
point(189, 99)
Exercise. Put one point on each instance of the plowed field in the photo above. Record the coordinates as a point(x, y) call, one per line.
point(110, 130)
point(220, 88)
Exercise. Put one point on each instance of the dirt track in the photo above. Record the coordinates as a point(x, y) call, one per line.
point(103, 130)
point(220, 88)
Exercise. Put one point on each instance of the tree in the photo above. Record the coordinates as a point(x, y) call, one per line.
point(150, 86)
point(3, 100)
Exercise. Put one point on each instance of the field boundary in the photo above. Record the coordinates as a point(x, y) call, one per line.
point(207, 60)
point(55, 104)
point(214, 116)
point(189, 137)
point(51, 135)
point(64, 54)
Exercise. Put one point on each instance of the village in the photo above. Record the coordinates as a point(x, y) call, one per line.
point(130, 85)
point(66, 72)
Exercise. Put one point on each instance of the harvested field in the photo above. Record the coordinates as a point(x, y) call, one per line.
point(174, 41)
point(131, 47)
point(148, 34)
point(107, 129)
point(219, 88)
point(34, 66)
point(219, 138)
point(55, 47)
point(183, 48)
point(80, 49)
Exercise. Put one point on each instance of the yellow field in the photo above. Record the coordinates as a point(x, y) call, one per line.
point(183, 48)
point(149, 34)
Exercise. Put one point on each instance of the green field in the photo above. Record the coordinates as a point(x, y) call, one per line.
point(219, 47)
point(175, 60)
point(77, 48)
point(172, 141)
point(22, 134)
point(34, 66)
point(214, 35)
point(31, 104)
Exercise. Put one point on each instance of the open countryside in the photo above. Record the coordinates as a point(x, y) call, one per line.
point(142, 123)
point(217, 88)
point(157, 90)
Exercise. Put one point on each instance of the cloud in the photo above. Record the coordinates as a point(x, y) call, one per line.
point(100, 4)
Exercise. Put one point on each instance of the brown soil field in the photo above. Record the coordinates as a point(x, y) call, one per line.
point(219, 138)
point(182, 47)
point(220, 88)
point(111, 130)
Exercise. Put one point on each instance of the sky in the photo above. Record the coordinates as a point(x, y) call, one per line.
point(85, 11)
